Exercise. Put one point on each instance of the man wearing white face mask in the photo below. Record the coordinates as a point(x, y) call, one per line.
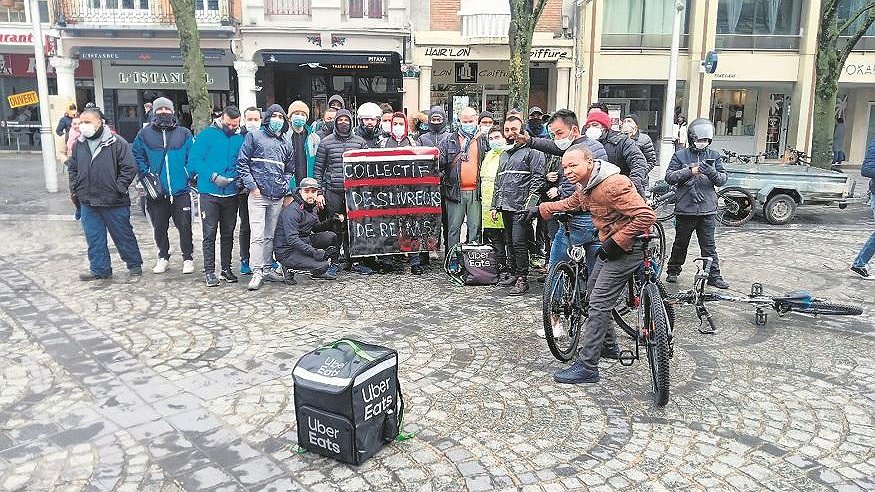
point(645, 143)
point(304, 140)
point(696, 171)
point(251, 123)
point(622, 151)
point(461, 154)
point(399, 136)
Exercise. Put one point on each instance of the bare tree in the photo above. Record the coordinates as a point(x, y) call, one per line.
point(193, 63)
point(831, 56)
point(524, 15)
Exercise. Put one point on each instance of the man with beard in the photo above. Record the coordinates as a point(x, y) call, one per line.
point(301, 240)
point(369, 115)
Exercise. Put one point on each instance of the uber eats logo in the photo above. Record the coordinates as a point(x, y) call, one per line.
point(331, 367)
point(322, 435)
point(376, 398)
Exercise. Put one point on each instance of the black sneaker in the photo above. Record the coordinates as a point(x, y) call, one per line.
point(417, 270)
point(718, 282)
point(520, 287)
point(88, 277)
point(862, 272)
point(211, 279)
point(136, 271)
point(610, 352)
point(508, 281)
point(228, 276)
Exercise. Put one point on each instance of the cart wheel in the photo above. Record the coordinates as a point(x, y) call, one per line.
point(780, 209)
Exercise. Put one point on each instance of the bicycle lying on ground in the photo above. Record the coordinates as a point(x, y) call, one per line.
point(735, 205)
point(799, 301)
point(566, 306)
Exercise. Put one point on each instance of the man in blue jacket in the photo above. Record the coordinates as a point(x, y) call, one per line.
point(214, 161)
point(163, 148)
point(266, 165)
point(868, 170)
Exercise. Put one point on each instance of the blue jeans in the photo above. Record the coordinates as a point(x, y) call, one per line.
point(96, 221)
point(582, 230)
point(868, 248)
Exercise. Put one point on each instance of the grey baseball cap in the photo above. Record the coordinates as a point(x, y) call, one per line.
point(308, 183)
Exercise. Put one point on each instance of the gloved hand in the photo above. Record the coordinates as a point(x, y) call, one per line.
point(610, 250)
point(220, 181)
point(320, 255)
point(330, 251)
point(530, 215)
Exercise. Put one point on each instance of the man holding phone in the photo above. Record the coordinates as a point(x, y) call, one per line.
point(697, 171)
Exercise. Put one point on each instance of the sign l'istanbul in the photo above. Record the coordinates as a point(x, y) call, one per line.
point(465, 52)
point(148, 77)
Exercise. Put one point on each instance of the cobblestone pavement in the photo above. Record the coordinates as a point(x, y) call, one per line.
point(160, 384)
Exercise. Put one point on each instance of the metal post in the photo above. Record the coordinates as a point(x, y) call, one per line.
point(47, 141)
point(667, 147)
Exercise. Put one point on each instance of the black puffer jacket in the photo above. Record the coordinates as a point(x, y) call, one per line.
point(696, 195)
point(291, 240)
point(436, 133)
point(102, 179)
point(329, 158)
point(520, 180)
point(374, 140)
point(624, 153)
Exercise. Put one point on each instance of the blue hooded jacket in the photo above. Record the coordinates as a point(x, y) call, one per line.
point(164, 151)
point(266, 160)
point(868, 167)
point(215, 152)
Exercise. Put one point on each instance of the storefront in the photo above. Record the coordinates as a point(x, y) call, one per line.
point(477, 75)
point(644, 100)
point(855, 106)
point(130, 77)
point(314, 76)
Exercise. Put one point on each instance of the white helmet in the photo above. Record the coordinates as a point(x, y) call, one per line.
point(369, 110)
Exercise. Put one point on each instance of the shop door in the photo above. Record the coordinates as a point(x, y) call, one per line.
point(128, 115)
point(617, 108)
point(496, 103)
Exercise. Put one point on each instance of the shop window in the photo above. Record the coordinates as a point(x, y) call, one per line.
point(206, 4)
point(376, 85)
point(844, 11)
point(119, 4)
point(641, 23)
point(733, 111)
point(764, 24)
point(371, 9)
point(342, 83)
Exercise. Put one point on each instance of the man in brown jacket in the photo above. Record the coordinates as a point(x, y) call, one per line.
point(619, 213)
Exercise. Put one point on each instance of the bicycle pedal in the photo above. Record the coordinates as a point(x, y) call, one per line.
point(626, 358)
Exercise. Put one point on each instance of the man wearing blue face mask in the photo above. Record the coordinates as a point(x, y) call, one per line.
point(303, 140)
point(266, 164)
point(461, 154)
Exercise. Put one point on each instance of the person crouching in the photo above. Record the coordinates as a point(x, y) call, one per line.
point(303, 242)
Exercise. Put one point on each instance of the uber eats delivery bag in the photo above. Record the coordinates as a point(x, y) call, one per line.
point(347, 400)
point(472, 264)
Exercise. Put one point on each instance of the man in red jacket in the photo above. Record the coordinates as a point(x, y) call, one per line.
point(619, 213)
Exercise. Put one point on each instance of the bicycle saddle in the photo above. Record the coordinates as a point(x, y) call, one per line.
point(796, 295)
point(562, 217)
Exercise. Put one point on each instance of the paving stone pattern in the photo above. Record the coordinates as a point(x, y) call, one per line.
point(161, 384)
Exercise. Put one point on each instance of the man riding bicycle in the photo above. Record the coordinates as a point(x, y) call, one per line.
point(619, 213)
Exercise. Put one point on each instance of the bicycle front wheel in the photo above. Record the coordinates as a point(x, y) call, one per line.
point(656, 339)
point(664, 208)
point(562, 311)
point(828, 308)
point(735, 206)
point(659, 255)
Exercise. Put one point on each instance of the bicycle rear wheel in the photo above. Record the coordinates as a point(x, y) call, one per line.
point(735, 206)
point(665, 207)
point(563, 311)
point(828, 308)
point(656, 341)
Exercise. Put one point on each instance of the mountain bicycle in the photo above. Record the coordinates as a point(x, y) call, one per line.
point(735, 205)
point(731, 157)
point(800, 301)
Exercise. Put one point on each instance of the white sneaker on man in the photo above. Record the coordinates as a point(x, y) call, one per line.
point(161, 265)
point(188, 266)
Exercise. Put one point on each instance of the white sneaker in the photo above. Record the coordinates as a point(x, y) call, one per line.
point(161, 266)
point(256, 282)
point(188, 266)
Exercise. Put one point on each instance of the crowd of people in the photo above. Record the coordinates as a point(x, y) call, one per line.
point(279, 175)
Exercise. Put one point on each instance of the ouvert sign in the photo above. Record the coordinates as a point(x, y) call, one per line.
point(154, 77)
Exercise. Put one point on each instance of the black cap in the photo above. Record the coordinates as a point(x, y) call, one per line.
point(486, 114)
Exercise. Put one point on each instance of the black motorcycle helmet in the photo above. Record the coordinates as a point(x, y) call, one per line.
point(698, 129)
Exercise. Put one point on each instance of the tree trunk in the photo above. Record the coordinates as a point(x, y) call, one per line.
point(193, 63)
point(524, 15)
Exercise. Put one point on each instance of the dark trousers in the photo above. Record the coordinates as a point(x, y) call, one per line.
point(516, 236)
point(495, 238)
point(335, 202)
point(96, 221)
point(325, 239)
point(245, 232)
point(703, 226)
point(218, 213)
point(160, 212)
